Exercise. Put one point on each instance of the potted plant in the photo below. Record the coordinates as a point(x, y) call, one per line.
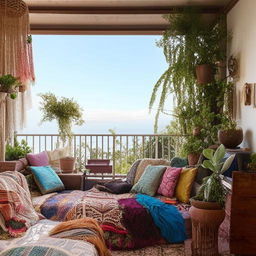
point(252, 162)
point(17, 151)
point(66, 112)
point(193, 148)
point(229, 134)
point(9, 84)
point(207, 211)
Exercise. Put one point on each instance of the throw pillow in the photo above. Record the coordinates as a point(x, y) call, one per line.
point(144, 163)
point(46, 179)
point(132, 172)
point(40, 159)
point(115, 187)
point(149, 181)
point(185, 183)
point(55, 156)
point(179, 162)
point(169, 181)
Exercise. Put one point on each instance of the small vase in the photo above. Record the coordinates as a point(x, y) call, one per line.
point(193, 158)
point(231, 138)
point(67, 164)
point(204, 74)
point(206, 219)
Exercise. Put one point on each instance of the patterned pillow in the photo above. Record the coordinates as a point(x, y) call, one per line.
point(169, 181)
point(46, 179)
point(132, 172)
point(149, 181)
point(40, 159)
point(185, 183)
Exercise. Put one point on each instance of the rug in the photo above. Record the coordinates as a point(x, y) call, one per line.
point(163, 250)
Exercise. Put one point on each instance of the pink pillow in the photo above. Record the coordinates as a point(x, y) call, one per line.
point(40, 159)
point(169, 181)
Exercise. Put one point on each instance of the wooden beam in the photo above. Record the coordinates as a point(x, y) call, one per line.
point(96, 30)
point(117, 10)
point(229, 6)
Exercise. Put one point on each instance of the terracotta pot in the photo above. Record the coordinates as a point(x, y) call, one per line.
point(204, 74)
point(22, 88)
point(193, 158)
point(231, 138)
point(67, 164)
point(205, 227)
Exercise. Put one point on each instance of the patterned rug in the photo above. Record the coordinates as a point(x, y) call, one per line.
point(163, 250)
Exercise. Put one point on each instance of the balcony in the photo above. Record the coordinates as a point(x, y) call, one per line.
point(121, 149)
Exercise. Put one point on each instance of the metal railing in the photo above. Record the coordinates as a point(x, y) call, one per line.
point(121, 149)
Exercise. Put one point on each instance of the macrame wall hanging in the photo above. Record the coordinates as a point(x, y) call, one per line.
point(15, 59)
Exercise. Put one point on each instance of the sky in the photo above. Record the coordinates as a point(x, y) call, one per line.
point(111, 77)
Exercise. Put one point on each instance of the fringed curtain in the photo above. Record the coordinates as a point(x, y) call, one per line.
point(16, 59)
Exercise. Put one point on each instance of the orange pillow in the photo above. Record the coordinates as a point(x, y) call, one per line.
point(185, 183)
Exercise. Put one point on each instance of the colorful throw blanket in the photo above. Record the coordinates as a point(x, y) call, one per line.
point(139, 223)
point(71, 205)
point(16, 209)
point(85, 229)
point(166, 217)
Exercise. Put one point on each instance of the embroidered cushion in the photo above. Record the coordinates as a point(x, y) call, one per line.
point(149, 181)
point(40, 159)
point(46, 179)
point(132, 172)
point(185, 183)
point(169, 181)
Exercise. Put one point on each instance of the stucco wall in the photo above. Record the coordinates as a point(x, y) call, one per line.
point(242, 23)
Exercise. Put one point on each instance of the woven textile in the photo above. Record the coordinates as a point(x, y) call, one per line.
point(71, 205)
point(15, 203)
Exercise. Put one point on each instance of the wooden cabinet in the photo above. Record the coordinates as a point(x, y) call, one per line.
point(243, 214)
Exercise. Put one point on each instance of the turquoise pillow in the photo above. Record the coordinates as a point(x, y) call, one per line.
point(46, 179)
point(150, 180)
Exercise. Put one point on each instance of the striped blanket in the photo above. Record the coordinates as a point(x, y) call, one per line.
point(16, 210)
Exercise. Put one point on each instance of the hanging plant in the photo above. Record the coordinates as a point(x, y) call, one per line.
point(188, 42)
point(64, 110)
point(9, 84)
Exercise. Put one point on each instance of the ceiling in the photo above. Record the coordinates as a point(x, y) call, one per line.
point(112, 16)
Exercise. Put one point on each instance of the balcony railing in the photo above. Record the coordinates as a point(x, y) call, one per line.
point(121, 149)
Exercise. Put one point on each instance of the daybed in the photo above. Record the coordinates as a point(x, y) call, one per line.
point(118, 214)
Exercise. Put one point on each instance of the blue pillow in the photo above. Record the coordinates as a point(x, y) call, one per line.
point(46, 179)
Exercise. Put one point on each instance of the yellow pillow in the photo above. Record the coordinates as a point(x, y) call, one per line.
point(185, 183)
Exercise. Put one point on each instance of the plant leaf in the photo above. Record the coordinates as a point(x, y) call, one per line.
point(227, 163)
point(208, 165)
point(208, 153)
point(219, 154)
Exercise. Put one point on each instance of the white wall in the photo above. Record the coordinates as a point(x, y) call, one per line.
point(242, 23)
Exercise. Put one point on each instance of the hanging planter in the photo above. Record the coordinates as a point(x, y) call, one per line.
point(204, 74)
point(9, 84)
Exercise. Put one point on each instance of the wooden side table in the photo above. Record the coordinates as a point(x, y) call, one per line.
point(72, 181)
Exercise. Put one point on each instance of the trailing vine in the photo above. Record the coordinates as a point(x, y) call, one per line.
point(188, 42)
